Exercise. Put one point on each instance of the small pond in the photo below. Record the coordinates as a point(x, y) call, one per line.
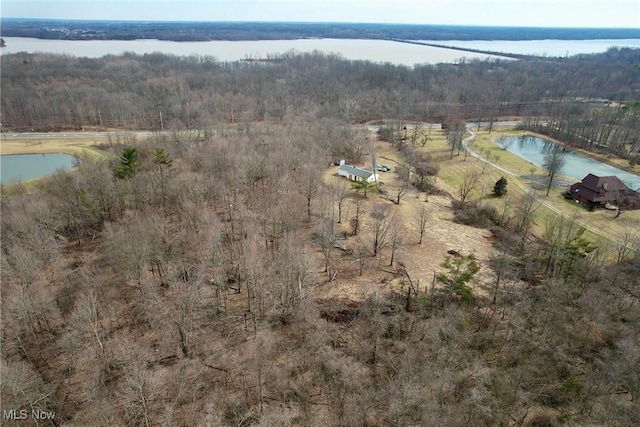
point(23, 167)
point(577, 166)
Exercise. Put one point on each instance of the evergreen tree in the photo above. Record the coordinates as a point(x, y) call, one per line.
point(128, 163)
point(460, 271)
point(500, 187)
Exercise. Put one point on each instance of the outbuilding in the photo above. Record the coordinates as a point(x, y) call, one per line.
point(353, 173)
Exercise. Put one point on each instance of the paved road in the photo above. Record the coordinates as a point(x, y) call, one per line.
point(69, 135)
point(506, 123)
point(41, 136)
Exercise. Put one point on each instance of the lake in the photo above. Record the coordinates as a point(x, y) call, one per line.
point(553, 48)
point(228, 51)
point(22, 167)
point(577, 166)
point(354, 49)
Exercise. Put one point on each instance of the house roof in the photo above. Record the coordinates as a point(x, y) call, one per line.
point(362, 173)
point(600, 188)
point(608, 183)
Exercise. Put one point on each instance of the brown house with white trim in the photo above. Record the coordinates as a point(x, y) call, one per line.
point(600, 191)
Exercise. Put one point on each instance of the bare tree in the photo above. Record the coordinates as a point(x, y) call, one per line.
point(626, 245)
point(355, 220)
point(326, 238)
point(426, 170)
point(29, 251)
point(287, 280)
point(455, 133)
point(500, 265)
point(396, 240)
point(525, 207)
point(421, 219)
point(382, 218)
point(138, 391)
point(341, 190)
point(309, 184)
point(469, 182)
point(23, 387)
point(404, 174)
point(553, 163)
point(414, 137)
point(86, 319)
point(164, 164)
point(134, 244)
point(361, 253)
point(623, 198)
point(181, 308)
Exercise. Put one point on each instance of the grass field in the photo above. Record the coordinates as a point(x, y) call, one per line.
point(600, 224)
point(74, 147)
point(79, 148)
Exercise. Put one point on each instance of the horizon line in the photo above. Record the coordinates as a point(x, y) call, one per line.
point(141, 21)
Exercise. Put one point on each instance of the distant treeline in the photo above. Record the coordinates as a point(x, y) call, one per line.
point(203, 31)
point(48, 92)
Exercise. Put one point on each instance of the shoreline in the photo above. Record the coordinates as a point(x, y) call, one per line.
point(56, 144)
point(614, 161)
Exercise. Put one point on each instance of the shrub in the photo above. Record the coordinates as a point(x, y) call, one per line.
point(475, 215)
point(506, 240)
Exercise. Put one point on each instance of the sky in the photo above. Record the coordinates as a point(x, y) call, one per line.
point(519, 13)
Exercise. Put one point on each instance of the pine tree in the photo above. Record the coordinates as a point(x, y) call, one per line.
point(128, 163)
point(500, 187)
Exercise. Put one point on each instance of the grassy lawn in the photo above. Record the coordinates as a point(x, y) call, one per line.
point(601, 224)
point(80, 148)
point(74, 147)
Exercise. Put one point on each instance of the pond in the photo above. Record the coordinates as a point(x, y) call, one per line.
point(576, 166)
point(22, 167)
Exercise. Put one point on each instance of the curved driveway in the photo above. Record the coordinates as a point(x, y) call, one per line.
point(514, 176)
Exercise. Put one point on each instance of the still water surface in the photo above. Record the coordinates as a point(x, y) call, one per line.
point(576, 166)
point(29, 166)
point(552, 48)
point(372, 50)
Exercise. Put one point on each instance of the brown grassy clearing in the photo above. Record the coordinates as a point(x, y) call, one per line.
point(421, 261)
point(442, 234)
point(74, 147)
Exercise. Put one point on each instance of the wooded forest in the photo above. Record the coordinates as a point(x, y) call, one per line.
point(187, 278)
point(60, 29)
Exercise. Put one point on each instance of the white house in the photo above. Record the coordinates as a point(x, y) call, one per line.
point(356, 174)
